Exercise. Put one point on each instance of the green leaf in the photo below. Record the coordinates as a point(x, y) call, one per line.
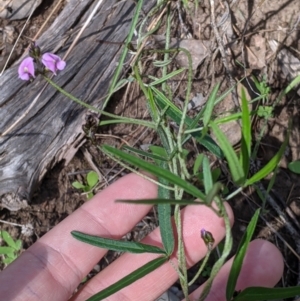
point(210, 145)
point(151, 102)
point(8, 239)
point(216, 174)
point(155, 170)
point(159, 151)
point(18, 244)
point(116, 245)
point(78, 185)
point(213, 192)
point(210, 105)
point(165, 78)
point(207, 177)
point(240, 255)
point(161, 201)
point(127, 280)
point(271, 165)
point(11, 255)
point(166, 229)
point(197, 163)
point(265, 293)
point(264, 111)
point(164, 216)
point(246, 135)
point(8, 260)
point(90, 195)
point(176, 114)
point(294, 83)
point(7, 250)
point(145, 154)
point(92, 178)
point(228, 118)
point(294, 166)
point(236, 170)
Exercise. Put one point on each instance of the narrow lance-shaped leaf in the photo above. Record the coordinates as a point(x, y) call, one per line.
point(240, 255)
point(270, 166)
point(246, 135)
point(117, 245)
point(162, 201)
point(265, 293)
point(127, 280)
point(236, 170)
point(213, 192)
point(197, 163)
point(155, 170)
point(210, 105)
point(144, 154)
point(207, 177)
point(164, 216)
point(165, 78)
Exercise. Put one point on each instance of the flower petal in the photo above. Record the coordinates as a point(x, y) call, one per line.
point(53, 62)
point(61, 65)
point(26, 69)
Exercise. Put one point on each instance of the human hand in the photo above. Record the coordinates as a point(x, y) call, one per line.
point(52, 268)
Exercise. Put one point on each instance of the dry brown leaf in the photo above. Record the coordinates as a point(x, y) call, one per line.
point(256, 52)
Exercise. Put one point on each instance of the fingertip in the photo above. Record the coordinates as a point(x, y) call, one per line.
point(197, 217)
point(263, 265)
point(133, 185)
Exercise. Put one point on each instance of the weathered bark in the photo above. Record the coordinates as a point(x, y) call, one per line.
point(52, 130)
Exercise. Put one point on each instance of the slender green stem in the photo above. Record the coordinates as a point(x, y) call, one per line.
point(120, 118)
point(193, 130)
point(125, 52)
point(204, 262)
point(229, 197)
point(226, 251)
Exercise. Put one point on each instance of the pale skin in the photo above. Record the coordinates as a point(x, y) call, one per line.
point(52, 268)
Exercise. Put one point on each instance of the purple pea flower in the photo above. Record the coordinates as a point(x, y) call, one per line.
point(53, 62)
point(26, 69)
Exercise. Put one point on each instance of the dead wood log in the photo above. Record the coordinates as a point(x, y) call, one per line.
point(52, 130)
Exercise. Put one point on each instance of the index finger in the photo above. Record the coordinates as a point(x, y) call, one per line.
point(53, 267)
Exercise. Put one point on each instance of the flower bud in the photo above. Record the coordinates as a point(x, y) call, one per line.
point(34, 51)
point(208, 239)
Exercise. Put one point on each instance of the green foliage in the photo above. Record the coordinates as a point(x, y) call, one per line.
point(206, 272)
point(265, 112)
point(236, 170)
point(294, 166)
point(240, 254)
point(127, 280)
point(265, 293)
point(246, 136)
point(116, 245)
point(179, 181)
point(11, 250)
point(92, 180)
point(168, 163)
point(263, 88)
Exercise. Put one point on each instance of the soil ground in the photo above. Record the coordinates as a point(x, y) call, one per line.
point(254, 24)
